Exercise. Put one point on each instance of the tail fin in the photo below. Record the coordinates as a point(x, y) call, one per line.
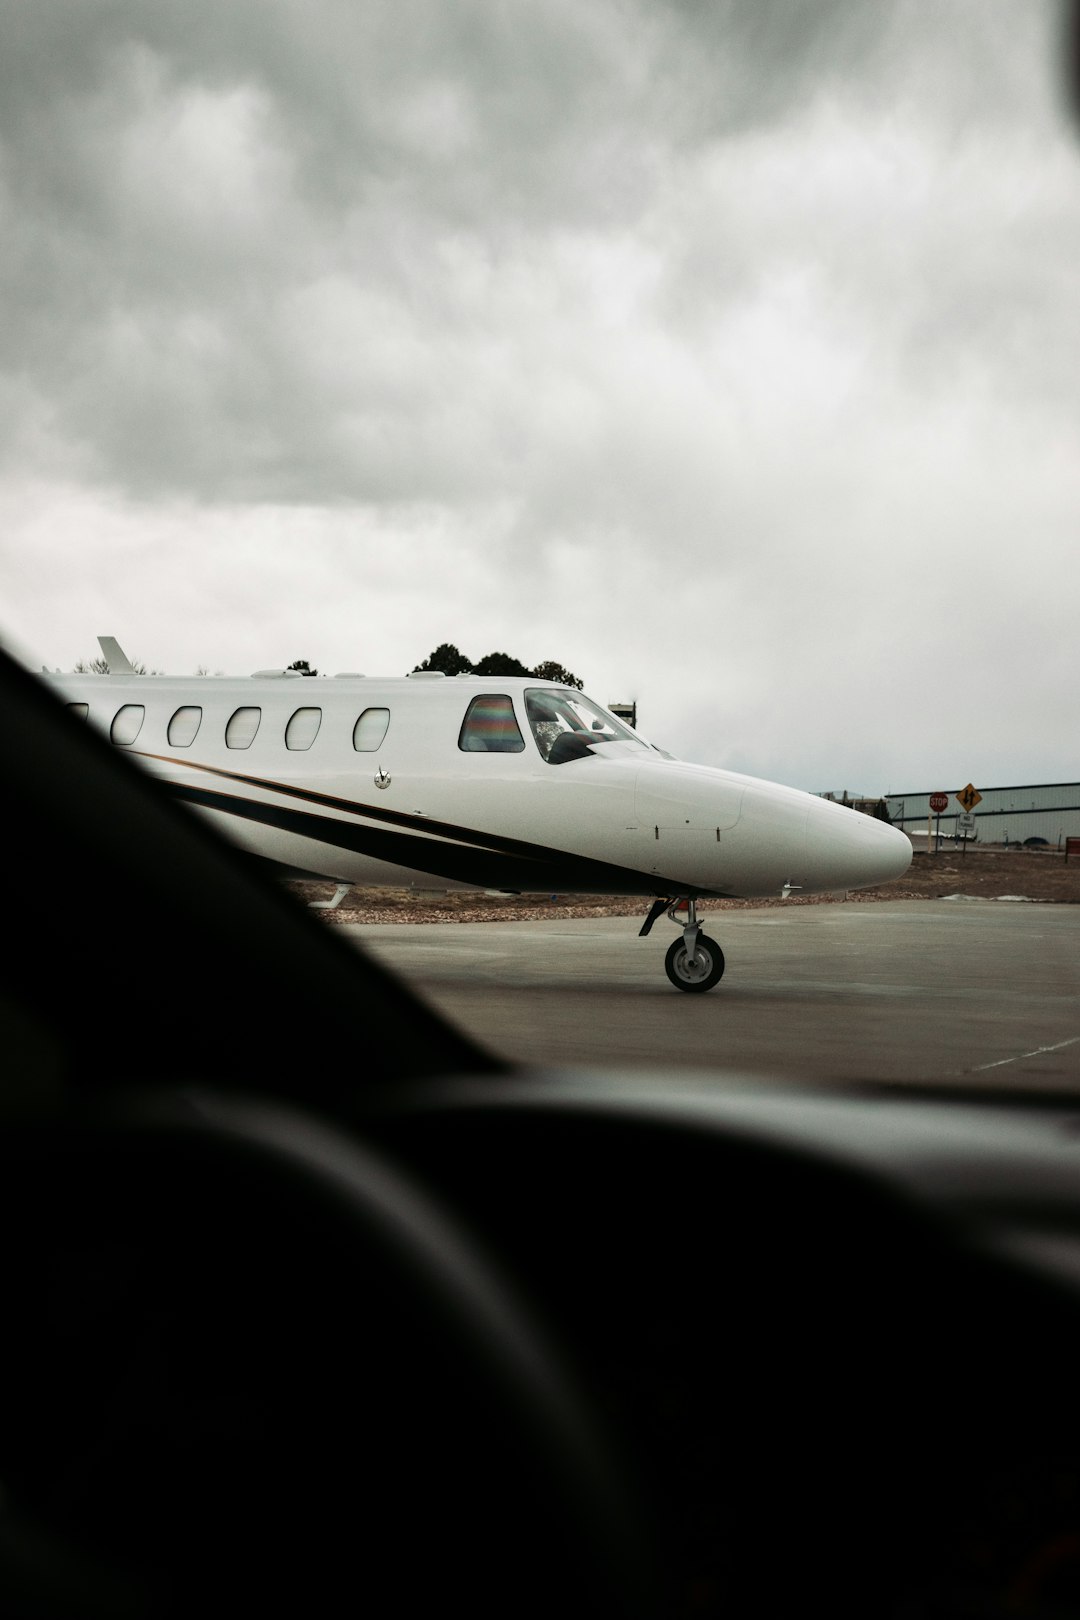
point(115, 656)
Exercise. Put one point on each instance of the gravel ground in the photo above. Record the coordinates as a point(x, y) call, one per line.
point(987, 874)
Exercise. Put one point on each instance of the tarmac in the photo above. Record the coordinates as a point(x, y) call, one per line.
point(950, 993)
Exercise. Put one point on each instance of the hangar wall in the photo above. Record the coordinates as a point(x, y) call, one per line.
point(1046, 810)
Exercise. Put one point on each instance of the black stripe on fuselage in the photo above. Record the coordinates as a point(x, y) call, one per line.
point(480, 860)
point(396, 818)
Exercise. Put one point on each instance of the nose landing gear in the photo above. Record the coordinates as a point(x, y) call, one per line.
point(695, 962)
point(696, 967)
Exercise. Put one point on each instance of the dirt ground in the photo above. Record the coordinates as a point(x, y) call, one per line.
point(986, 874)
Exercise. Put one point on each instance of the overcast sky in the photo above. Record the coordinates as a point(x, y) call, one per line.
point(728, 354)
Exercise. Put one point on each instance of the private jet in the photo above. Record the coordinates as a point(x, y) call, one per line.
point(505, 785)
point(478, 783)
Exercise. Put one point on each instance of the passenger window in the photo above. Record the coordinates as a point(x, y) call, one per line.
point(241, 729)
point(303, 728)
point(490, 727)
point(184, 726)
point(370, 730)
point(79, 710)
point(127, 723)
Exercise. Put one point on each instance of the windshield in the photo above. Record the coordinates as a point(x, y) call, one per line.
point(566, 725)
point(718, 361)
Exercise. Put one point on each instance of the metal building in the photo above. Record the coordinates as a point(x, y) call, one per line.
point(1046, 812)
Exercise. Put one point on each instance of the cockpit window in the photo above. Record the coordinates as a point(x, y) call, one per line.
point(490, 727)
point(567, 725)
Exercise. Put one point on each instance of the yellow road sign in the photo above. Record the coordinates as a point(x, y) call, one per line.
point(969, 797)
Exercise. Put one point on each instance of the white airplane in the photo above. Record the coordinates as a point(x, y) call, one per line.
point(474, 782)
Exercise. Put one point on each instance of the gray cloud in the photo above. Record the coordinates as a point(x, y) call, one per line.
point(606, 332)
point(340, 252)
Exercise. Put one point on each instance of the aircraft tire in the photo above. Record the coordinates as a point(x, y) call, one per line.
point(707, 970)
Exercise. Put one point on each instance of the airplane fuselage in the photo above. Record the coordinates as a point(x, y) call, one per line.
point(473, 782)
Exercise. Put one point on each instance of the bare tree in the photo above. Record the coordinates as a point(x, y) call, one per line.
point(98, 666)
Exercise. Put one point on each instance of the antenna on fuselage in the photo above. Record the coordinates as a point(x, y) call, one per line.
point(115, 657)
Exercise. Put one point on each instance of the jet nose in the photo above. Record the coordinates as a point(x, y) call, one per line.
point(854, 851)
point(890, 851)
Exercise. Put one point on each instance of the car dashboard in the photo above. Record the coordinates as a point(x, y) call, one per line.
point(834, 1335)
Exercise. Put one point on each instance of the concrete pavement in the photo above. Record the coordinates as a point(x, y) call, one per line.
point(985, 993)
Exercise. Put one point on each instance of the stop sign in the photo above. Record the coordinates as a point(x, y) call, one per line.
point(939, 802)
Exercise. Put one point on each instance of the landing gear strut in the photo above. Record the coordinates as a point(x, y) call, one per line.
point(695, 962)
